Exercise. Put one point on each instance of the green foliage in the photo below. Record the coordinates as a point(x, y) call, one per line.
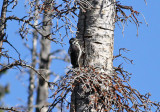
point(3, 90)
point(3, 72)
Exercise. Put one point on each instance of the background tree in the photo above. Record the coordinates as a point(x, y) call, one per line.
point(42, 59)
point(42, 29)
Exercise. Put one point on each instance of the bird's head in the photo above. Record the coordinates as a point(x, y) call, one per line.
point(73, 41)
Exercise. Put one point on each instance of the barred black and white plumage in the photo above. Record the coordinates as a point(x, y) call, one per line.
point(75, 52)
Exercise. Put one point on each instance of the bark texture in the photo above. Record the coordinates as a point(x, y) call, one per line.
point(96, 31)
point(3, 22)
point(42, 93)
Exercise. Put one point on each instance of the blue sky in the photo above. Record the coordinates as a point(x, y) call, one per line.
point(144, 51)
point(144, 48)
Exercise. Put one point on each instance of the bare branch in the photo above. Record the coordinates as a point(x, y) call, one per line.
point(12, 47)
point(113, 92)
point(120, 55)
point(9, 109)
point(123, 15)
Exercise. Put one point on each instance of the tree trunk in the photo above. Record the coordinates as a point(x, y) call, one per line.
point(2, 22)
point(42, 93)
point(34, 53)
point(96, 32)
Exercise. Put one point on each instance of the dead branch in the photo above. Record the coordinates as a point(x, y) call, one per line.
point(9, 109)
point(123, 17)
point(22, 64)
point(124, 57)
point(5, 40)
point(112, 91)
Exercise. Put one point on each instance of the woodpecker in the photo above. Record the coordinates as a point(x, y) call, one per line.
point(75, 52)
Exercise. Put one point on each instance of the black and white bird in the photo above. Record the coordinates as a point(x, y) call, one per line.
point(75, 52)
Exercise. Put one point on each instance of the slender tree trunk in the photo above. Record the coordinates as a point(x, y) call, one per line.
point(96, 32)
point(2, 22)
point(42, 93)
point(34, 53)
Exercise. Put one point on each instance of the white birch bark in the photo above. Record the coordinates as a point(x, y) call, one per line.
point(96, 32)
point(96, 29)
point(34, 52)
point(42, 93)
